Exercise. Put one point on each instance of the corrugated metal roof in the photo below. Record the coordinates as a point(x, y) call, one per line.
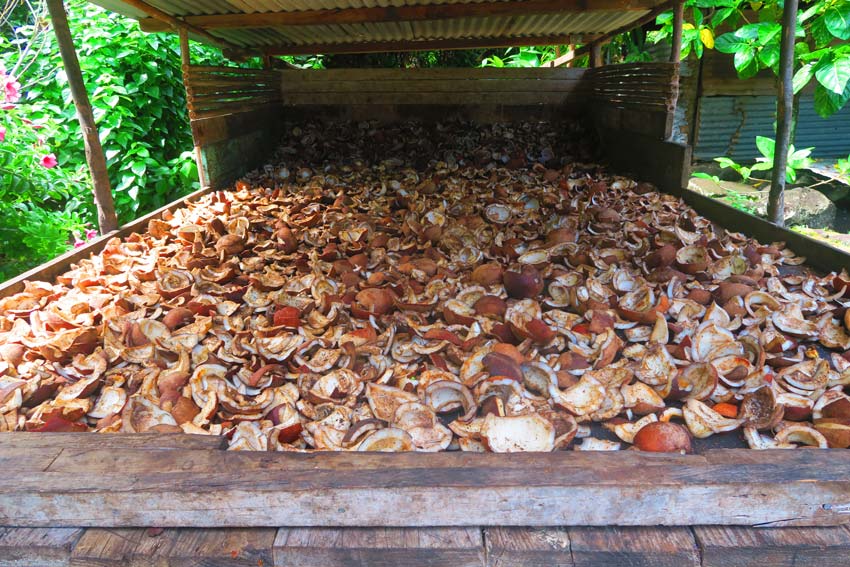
point(515, 26)
point(728, 126)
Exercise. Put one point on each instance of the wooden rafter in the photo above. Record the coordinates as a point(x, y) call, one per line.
point(445, 44)
point(400, 13)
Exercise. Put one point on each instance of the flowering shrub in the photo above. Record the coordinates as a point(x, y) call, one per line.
point(39, 207)
point(137, 96)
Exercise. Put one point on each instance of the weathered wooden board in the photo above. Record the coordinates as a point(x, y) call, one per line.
point(731, 546)
point(527, 547)
point(630, 546)
point(175, 548)
point(510, 87)
point(458, 74)
point(456, 97)
point(414, 85)
point(475, 112)
point(647, 158)
point(378, 547)
point(116, 487)
point(37, 547)
point(105, 441)
point(591, 547)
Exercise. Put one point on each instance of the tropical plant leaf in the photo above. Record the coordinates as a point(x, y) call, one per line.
point(837, 19)
point(833, 75)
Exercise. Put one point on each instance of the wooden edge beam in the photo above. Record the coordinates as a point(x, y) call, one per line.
point(141, 486)
point(399, 13)
point(444, 44)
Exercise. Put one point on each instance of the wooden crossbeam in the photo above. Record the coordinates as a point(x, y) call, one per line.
point(400, 13)
point(444, 44)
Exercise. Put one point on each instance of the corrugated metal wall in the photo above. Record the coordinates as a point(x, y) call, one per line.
point(728, 126)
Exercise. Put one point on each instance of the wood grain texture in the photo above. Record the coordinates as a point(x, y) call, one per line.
point(88, 441)
point(117, 487)
point(41, 547)
point(527, 547)
point(378, 547)
point(633, 546)
point(438, 74)
point(734, 546)
point(139, 547)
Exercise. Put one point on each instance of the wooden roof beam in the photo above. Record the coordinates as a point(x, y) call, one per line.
point(399, 13)
point(441, 44)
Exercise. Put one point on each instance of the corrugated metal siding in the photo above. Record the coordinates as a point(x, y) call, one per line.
point(592, 22)
point(728, 126)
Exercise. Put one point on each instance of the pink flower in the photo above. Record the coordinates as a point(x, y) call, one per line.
point(91, 234)
point(12, 93)
point(49, 161)
point(2, 133)
point(77, 241)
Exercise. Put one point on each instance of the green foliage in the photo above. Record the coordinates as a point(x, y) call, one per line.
point(754, 45)
point(135, 87)
point(40, 207)
point(741, 201)
point(797, 159)
point(523, 56)
point(843, 166)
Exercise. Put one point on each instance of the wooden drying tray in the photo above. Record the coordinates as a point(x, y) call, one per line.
point(127, 480)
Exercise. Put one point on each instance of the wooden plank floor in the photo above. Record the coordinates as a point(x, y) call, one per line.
point(700, 546)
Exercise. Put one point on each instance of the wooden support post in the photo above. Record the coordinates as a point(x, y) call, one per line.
point(185, 60)
point(784, 114)
point(106, 219)
point(678, 22)
point(571, 49)
point(267, 62)
point(596, 55)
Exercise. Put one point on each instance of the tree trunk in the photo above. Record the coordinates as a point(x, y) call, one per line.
point(784, 115)
point(106, 219)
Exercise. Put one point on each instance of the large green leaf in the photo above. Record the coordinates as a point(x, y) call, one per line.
point(766, 146)
point(769, 32)
point(769, 55)
point(802, 77)
point(746, 63)
point(730, 43)
point(827, 102)
point(833, 75)
point(837, 19)
point(820, 32)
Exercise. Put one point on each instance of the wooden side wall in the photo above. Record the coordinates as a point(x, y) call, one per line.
point(235, 117)
point(483, 95)
point(637, 98)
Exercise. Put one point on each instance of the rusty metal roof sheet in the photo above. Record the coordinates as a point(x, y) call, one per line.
point(577, 18)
